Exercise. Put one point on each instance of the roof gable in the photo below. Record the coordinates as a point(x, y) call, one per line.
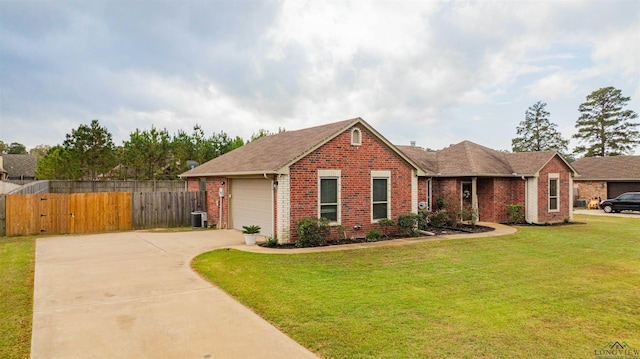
point(470, 159)
point(608, 168)
point(273, 154)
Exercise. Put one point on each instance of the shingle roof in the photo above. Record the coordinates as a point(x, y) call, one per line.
point(470, 159)
point(20, 165)
point(617, 168)
point(270, 153)
point(426, 160)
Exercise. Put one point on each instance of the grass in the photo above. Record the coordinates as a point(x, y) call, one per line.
point(17, 259)
point(544, 292)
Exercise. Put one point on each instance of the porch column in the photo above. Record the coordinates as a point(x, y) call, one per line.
point(474, 198)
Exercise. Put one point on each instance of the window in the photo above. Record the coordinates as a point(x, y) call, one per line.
point(203, 184)
point(329, 198)
point(380, 195)
point(554, 199)
point(329, 195)
point(380, 203)
point(356, 137)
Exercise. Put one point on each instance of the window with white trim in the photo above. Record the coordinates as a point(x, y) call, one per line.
point(329, 195)
point(380, 195)
point(356, 137)
point(554, 190)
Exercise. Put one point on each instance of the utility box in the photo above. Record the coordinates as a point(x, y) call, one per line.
point(198, 219)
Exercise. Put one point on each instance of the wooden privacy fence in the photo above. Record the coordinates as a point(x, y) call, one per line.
point(165, 209)
point(29, 214)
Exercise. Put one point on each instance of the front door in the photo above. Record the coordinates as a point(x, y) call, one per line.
point(466, 200)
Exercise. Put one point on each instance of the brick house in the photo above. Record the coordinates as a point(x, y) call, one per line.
point(606, 177)
point(467, 175)
point(349, 173)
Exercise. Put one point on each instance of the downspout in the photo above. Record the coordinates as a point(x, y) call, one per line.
point(273, 193)
point(526, 200)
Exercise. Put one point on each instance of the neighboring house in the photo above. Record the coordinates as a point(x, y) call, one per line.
point(19, 167)
point(606, 177)
point(348, 172)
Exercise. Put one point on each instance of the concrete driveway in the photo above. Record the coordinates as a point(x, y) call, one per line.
point(133, 295)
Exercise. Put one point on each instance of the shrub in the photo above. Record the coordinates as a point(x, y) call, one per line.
point(440, 204)
point(385, 226)
point(408, 224)
point(341, 232)
point(515, 213)
point(373, 235)
point(423, 221)
point(312, 232)
point(469, 214)
point(440, 219)
point(272, 241)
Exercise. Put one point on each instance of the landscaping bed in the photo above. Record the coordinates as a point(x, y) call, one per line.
point(438, 231)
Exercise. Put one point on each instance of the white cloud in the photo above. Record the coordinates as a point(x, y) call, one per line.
point(619, 50)
point(558, 85)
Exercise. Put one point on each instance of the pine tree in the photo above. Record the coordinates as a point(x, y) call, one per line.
point(605, 125)
point(92, 149)
point(537, 133)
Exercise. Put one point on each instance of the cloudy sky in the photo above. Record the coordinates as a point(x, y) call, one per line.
point(435, 72)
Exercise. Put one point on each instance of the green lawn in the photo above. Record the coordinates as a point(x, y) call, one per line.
point(557, 291)
point(17, 259)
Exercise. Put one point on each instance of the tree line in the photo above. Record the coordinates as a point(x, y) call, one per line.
point(605, 128)
point(89, 153)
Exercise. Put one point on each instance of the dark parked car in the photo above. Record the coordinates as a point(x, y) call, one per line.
point(629, 201)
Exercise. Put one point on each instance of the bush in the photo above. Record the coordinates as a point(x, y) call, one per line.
point(469, 214)
point(271, 242)
point(408, 224)
point(385, 226)
point(515, 213)
point(312, 232)
point(440, 204)
point(423, 221)
point(373, 235)
point(440, 219)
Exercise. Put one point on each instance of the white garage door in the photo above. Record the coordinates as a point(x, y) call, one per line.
point(251, 203)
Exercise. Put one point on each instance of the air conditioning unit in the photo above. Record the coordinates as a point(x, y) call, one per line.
point(198, 219)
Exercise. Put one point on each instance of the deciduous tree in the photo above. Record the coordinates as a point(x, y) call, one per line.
point(16, 148)
point(57, 164)
point(39, 151)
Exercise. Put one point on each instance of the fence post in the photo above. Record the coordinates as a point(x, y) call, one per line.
point(3, 215)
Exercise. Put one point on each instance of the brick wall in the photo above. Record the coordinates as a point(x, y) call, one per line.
point(355, 164)
point(590, 189)
point(565, 207)
point(447, 189)
point(494, 194)
point(212, 187)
